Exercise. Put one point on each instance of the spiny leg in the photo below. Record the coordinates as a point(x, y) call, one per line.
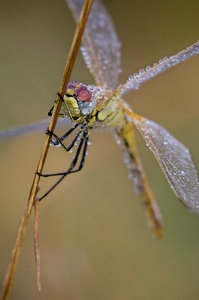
point(60, 139)
point(51, 110)
point(82, 146)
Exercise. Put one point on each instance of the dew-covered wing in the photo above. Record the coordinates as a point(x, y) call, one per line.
point(100, 44)
point(174, 159)
point(134, 81)
point(25, 129)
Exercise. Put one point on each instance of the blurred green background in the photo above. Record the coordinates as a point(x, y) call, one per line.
point(93, 236)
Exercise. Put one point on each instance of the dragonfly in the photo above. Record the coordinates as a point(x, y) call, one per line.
point(86, 107)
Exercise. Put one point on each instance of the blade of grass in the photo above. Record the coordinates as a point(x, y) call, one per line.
point(9, 277)
point(36, 242)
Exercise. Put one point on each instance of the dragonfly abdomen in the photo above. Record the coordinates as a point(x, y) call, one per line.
point(136, 174)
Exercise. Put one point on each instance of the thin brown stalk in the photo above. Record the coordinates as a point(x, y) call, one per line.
point(36, 242)
point(9, 277)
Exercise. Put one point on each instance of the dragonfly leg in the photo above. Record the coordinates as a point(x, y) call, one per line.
point(58, 140)
point(51, 110)
point(80, 155)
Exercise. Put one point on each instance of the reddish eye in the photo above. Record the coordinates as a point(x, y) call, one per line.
point(84, 95)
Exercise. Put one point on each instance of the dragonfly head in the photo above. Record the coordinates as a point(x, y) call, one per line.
point(78, 100)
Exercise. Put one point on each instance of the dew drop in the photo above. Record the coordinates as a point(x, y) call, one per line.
point(148, 68)
point(130, 77)
point(84, 111)
point(142, 71)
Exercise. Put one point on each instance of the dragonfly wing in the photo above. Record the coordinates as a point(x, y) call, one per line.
point(134, 81)
point(100, 44)
point(30, 128)
point(174, 159)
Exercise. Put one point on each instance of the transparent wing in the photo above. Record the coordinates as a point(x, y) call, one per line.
point(101, 46)
point(174, 159)
point(30, 128)
point(134, 81)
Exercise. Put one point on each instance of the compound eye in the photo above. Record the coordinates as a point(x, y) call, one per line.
point(83, 94)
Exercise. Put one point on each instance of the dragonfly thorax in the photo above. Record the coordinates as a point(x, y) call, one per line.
point(97, 106)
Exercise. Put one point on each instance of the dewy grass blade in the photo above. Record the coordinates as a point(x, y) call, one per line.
point(9, 277)
point(36, 242)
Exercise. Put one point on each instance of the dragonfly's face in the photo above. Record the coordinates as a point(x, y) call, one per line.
point(79, 100)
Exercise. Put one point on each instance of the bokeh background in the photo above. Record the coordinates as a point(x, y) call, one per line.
point(93, 236)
